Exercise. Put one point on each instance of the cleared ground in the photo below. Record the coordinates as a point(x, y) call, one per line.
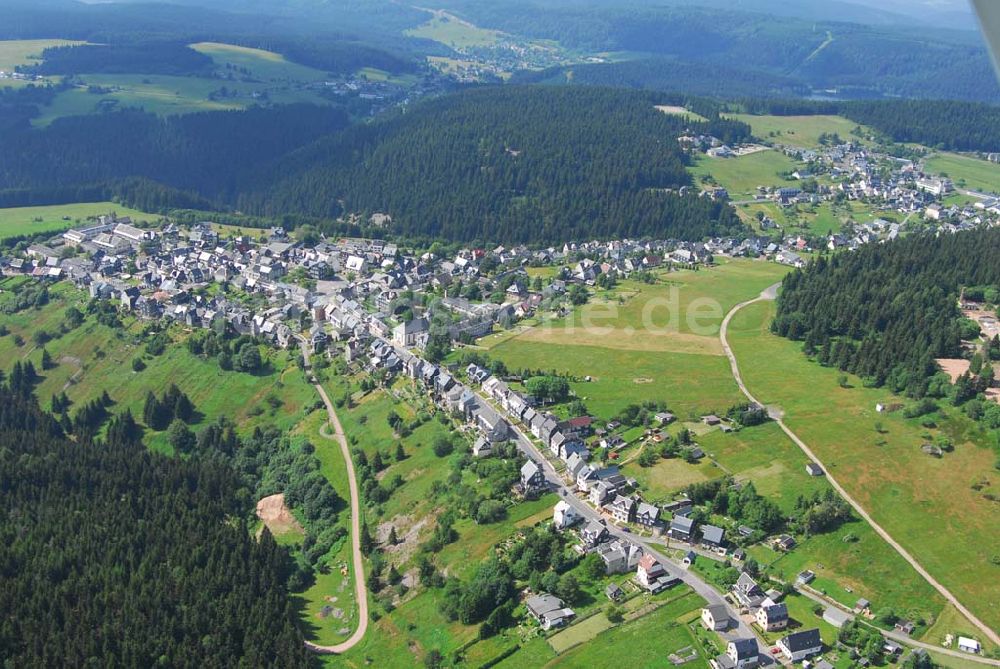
point(271, 77)
point(642, 342)
point(24, 52)
point(454, 32)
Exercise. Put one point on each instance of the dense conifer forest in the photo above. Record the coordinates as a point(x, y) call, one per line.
point(140, 58)
point(209, 153)
point(113, 555)
point(886, 311)
point(512, 164)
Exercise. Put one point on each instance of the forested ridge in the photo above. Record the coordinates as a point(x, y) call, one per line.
point(209, 153)
point(511, 164)
point(113, 555)
point(886, 311)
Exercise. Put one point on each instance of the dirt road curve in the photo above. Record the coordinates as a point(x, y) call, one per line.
point(358, 567)
point(770, 294)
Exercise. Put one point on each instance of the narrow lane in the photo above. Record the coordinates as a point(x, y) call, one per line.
point(771, 293)
point(358, 567)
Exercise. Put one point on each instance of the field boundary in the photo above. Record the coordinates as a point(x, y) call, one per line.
point(769, 294)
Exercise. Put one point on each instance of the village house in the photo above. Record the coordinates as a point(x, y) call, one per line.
point(681, 527)
point(564, 515)
point(747, 592)
point(772, 618)
point(800, 645)
point(740, 654)
point(549, 611)
point(532, 478)
point(715, 617)
point(593, 533)
point(652, 575)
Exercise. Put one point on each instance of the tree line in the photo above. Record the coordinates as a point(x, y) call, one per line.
point(146, 57)
point(886, 311)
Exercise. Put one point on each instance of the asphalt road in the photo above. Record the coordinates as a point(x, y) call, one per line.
point(740, 631)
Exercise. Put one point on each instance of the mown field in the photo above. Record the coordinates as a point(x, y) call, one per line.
point(801, 131)
point(646, 342)
point(271, 77)
point(17, 221)
point(936, 508)
point(741, 175)
point(966, 171)
point(24, 52)
point(454, 32)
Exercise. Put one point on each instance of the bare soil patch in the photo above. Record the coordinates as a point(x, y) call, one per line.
point(953, 367)
point(276, 516)
point(671, 109)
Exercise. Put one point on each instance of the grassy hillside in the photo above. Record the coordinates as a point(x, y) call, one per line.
point(966, 171)
point(17, 221)
point(886, 471)
point(802, 131)
point(741, 175)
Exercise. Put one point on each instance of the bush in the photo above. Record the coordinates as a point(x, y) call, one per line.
point(443, 447)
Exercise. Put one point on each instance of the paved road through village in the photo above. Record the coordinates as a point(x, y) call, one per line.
point(771, 293)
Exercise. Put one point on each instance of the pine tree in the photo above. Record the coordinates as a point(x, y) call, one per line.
point(393, 539)
point(46, 359)
point(183, 408)
point(365, 540)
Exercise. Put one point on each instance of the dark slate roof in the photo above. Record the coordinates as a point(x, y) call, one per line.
point(745, 648)
point(802, 640)
point(777, 613)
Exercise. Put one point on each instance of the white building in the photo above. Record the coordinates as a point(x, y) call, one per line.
point(564, 515)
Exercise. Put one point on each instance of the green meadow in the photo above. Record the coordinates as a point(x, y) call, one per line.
point(24, 52)
point(271, 76)
point(646, 342)
point(800, 131)
point(17, 221)
point(966, 171)
point(936, 508)
point(741, 175)
point(455, 32)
